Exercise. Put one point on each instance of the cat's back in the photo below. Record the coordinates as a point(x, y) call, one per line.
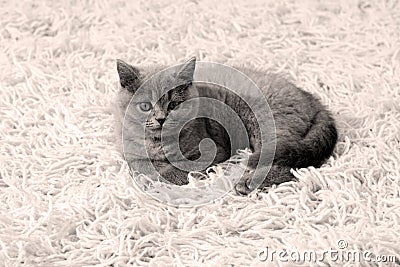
point(293, 109)
point(282, 95)
point(279, 91)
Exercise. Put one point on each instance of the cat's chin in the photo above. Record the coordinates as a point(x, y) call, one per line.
point(154, 134)
point(156, 138)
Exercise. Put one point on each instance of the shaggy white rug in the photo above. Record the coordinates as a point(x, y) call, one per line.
point(66, 196)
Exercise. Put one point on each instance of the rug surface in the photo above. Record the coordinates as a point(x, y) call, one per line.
point(66, 196)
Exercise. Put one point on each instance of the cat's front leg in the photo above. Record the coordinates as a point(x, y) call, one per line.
point(172, 174)
point(242, 187)
point(177, 177)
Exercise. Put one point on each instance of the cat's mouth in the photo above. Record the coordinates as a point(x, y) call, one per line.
point(153, 131)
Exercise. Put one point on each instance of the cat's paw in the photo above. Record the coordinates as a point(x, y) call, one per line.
point(242, 187)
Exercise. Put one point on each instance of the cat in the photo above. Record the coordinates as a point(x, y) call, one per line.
point(306, 134)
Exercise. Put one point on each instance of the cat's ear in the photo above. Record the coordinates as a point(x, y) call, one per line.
point(187, 70)
point(128, 75)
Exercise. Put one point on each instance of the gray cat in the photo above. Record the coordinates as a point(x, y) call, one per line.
point(305, 131)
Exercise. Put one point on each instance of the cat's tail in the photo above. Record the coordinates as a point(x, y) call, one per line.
point(311, 150)
point(317, 145)
point(278, 174)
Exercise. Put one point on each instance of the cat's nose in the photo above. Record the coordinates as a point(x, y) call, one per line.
point(161, 121)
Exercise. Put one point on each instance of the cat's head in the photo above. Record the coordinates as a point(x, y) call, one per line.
point(160, 93)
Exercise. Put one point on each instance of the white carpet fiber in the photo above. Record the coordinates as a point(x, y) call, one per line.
point(66, 197)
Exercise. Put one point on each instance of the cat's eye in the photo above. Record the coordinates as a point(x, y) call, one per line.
point(145, 106)
point(173, 105)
